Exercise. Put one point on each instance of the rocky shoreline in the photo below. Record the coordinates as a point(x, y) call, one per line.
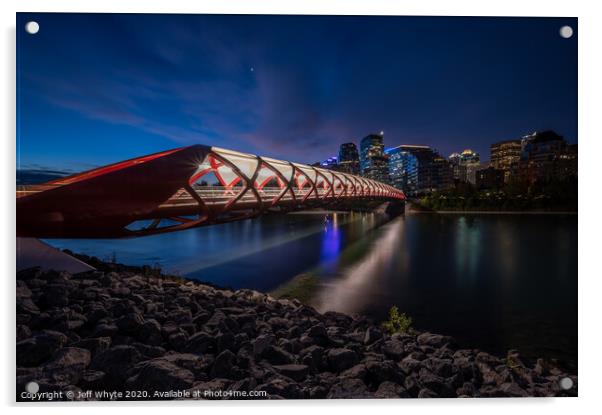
point(128, 333)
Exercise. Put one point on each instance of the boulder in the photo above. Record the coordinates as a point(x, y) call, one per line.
point(293, 371)
point(349, 388)
point(222, 367)
point(39, 348)
point(341, 359)
point(161, 375)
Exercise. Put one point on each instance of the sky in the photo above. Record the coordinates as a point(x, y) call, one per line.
point(93, 89)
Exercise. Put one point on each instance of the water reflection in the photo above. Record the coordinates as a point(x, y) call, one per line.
point(331, 239)
point(357, 287)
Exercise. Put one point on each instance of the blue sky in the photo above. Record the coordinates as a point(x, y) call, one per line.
point(98, 88)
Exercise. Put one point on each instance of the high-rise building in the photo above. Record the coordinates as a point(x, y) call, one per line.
point(505, 156)
point(373, 160)
point(546, 155)
point(465, 165)
point(471, 160)
point(458, 169)
point(349, 159)
point(434, 171)
point(403, 170)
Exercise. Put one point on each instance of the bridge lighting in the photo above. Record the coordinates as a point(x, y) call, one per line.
point(167, 188)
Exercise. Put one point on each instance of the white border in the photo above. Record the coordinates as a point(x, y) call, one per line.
point(590, 127)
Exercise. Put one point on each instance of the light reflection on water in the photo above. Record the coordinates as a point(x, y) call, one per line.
point(351, 293)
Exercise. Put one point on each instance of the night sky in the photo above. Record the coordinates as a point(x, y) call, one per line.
point(94, 89)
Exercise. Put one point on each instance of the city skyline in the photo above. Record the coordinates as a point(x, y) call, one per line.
point(289, 87)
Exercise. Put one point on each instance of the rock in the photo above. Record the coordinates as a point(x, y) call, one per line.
point(178, 340)
point(225, 341)
point(433, 340)
point(115, 362)
point(317, 332)
point(161, 375)
point(23, 332)
point(427, 393)
point(358, 371)
point(278, 356)
point(390, 390)
point(394, 349)
point(67, 365)
point(436, 384)
point(280, 387)
point(39, 348)
point(278, 323)
point(105, 330)
point(349, 389)
point(372, 334)
point(441, 367)
point(261, 343)
point(200, 343)
point(92, 380)
point(130, 324)
point(95, 345)
point(467, 389)
point(293, 371)
point(512, 389)
point(341, 359)
point(222, 367)
point(409, 365)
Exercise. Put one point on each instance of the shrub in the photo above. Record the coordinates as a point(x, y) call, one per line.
point(397, 323)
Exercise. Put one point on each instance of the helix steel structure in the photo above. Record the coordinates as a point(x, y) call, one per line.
point(184, 188)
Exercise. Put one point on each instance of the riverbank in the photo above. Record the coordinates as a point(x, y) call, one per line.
point(124, 328)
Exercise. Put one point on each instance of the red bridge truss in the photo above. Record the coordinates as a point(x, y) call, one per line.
point(185, 188)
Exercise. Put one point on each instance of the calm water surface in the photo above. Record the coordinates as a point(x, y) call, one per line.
point(494, 282)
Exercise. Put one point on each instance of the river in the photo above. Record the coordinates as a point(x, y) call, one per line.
point(494, 282)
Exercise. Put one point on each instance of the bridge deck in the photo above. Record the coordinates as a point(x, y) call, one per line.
point(183, 188)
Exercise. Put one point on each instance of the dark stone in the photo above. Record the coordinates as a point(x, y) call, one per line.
point(427, 393)
point(318, 332)
point(105, 330)
point(67, 365)
point(409, 365)
point(115, 362)
point(130, 323)
point(513, 390)
point(161, 375)
point(95, 344)
point(358, 371)
point(372, 335)
point(222, 367)
point(394, 349)
point(225, 341)
point(261, 343)
point(441, 367)
point(200, 343)
point(178, 340)
point(390, 390)
point(341, 359)
point(281, 387)
point(278, 356)
point(92, 380)
point(293, 371)
point(349, 388)
point(433, 340)
point(39, 348)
